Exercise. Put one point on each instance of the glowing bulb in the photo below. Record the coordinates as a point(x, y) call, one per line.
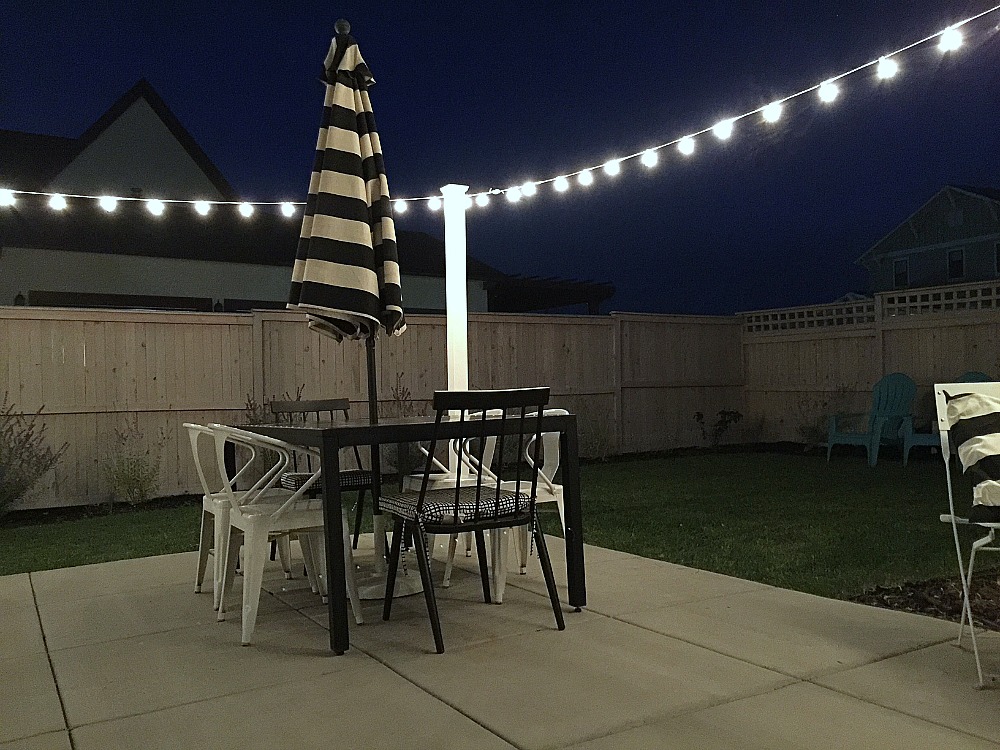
point(586, 177)
point(7, 197)
point(828, 92)
point(57, 202)
point(108, 203)
point(887, 67)
point(482, 200)
point(513, 194)
point(612, 167)
point(155, 207)
point(686, 145)
point(650, 158)
point(246, 210)
point(288, 209)
point(434, 204)
point(466, 202)
point(399, 207)
point(561, 184)
point(528, 189)
point(723, 129)
point(951, 39)
point(202, 207)
point(772, 112)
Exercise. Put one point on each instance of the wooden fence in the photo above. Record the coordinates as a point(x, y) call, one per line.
point(636, 381)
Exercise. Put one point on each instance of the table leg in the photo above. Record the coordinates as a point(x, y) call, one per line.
point(574, 516)
point(333, 528)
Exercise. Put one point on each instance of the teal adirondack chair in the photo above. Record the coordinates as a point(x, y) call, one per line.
point(891, 412)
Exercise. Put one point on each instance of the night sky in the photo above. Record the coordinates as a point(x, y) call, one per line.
point(492, 94)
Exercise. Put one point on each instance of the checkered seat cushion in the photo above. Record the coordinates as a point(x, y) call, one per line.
point(439, 505)
point(358, 479)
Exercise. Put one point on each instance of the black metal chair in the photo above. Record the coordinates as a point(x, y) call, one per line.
point(475, 508)
point(313, 412)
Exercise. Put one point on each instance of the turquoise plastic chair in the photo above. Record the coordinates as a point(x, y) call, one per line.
point(890, 415)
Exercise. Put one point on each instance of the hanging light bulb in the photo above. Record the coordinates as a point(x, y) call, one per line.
point(202, 207)
point(828, 91)
point(466, 202)
point(686, 145)
point(108, 203)
point(400, 207)
point(887, 67)
point(772, 112)
point(57, 202)
point(951, 39)
point(513, 194)
point(434, 204)
point(288, 209)
point(586, 177)
point(612, 167)
point(482, 200)
point(7, 197)
point(528, 189)
point(155, 207)
point(723, 129)
point(561, 184)
point(246, 210)
point(649, 158)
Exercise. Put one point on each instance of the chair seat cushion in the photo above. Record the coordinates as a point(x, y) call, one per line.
point(984, 513)
point(439, 505)
point(359, 479)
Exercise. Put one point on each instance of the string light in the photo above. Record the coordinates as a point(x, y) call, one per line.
point(723, 129)
point(772, 112)
point(887, 68)
point(948, 40)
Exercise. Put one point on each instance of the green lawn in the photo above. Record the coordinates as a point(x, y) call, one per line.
point(791, 520)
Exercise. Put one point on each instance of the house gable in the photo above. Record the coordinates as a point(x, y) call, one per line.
point(954, 215)
point(139, 144)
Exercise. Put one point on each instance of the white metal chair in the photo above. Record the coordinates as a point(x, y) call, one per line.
point(266, 510)
point(215, 514)
point(968, 417)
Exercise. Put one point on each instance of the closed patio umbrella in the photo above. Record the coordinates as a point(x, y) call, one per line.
point(346, 273)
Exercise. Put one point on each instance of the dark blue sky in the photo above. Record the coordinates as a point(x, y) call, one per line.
point(491, 94)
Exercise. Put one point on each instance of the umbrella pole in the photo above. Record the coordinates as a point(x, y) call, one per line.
point(376, 465)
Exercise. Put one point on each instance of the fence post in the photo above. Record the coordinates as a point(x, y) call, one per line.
point(258, 356)
point(616, 380)
point(879, 336)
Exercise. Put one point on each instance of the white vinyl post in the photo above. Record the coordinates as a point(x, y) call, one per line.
point(456, 295)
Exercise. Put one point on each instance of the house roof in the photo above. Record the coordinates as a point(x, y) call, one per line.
point(30, 161)
point(992, 194)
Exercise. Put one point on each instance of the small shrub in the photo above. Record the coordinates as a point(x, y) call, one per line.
point(715, 432)
point(24, 455)
point(133, 470)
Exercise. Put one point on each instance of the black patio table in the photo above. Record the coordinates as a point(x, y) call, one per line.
point(330, 437)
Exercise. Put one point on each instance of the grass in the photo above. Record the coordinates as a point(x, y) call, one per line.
point(790, 520)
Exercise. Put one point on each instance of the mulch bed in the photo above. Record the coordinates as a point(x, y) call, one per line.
point(942, 598)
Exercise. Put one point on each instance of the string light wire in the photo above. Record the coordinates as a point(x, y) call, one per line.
point(950, 39)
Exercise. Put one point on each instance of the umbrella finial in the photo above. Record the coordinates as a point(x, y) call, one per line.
point(343, 26)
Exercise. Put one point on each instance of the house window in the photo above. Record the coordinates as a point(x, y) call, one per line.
point(956, 264)
point(901, 273)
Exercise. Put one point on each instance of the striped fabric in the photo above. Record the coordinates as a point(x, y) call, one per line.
point(974, 427)
point(346, 274)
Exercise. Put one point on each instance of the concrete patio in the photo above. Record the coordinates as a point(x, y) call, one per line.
point(125, 655)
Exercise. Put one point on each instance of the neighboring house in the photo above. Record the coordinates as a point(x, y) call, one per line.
point(951, 239)
point(85, 257)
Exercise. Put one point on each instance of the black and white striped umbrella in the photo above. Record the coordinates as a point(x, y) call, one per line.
point(974, 426)
point(346, 274)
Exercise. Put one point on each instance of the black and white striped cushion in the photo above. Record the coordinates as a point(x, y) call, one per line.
point(439, 505)
point(974, 426)
point(349, 480)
